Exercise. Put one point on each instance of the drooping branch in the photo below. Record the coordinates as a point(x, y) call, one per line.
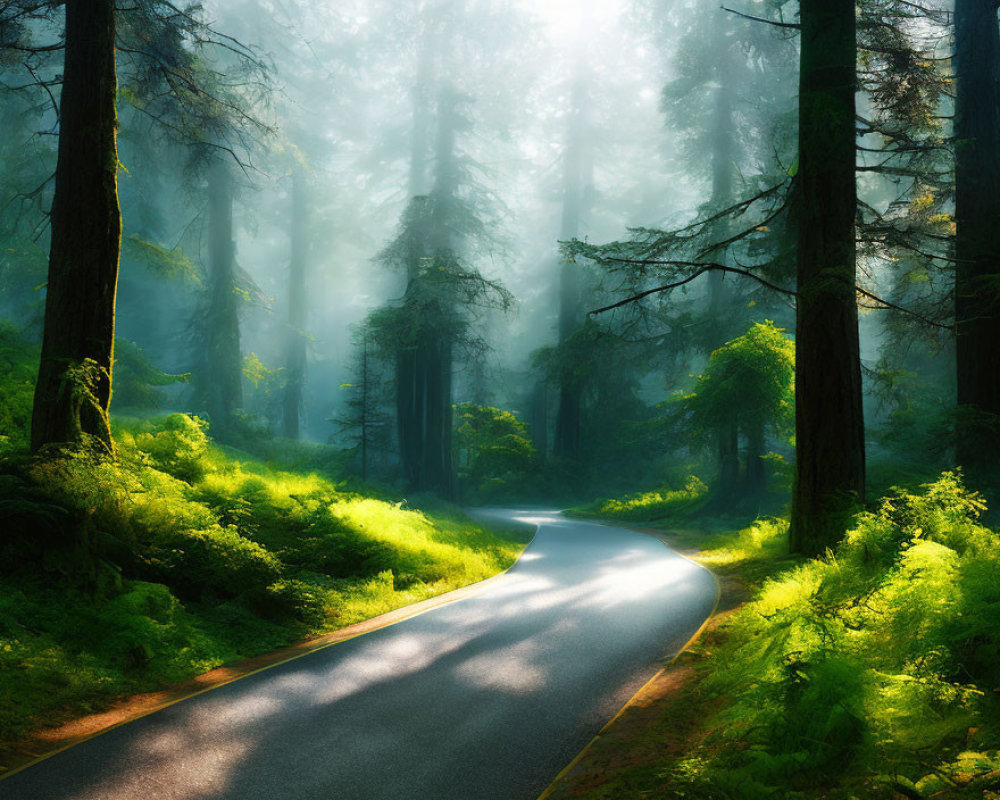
point(772, 22)
point(703, 268)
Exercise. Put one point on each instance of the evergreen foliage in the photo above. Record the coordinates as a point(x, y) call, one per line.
point(495, 456)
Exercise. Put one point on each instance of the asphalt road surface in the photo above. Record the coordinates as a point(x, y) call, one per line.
point(487, 697)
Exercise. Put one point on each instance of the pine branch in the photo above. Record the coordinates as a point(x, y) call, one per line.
point(702, 268)
point(752, 18)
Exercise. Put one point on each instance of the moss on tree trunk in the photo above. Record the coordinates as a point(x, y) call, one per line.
point(73, 392)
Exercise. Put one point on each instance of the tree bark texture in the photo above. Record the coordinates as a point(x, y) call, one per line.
point(977, 241)
point(829, 423)
point(73, 391)
point(224, 378)
point(295, 358)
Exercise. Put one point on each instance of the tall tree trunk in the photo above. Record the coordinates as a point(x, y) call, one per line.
point(409, 414)
point(829, 422)
point(295, 359)
point(720, 301)
point(365, 407)
point(73, 392)
point(539, 418)
point(566, 440)
point(724, 156)
point(977, 241)
point(224, 377)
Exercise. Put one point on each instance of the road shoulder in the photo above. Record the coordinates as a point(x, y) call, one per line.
point(665, 717)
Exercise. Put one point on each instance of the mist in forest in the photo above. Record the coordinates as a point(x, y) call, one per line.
point(291, 289)
point(385, 228)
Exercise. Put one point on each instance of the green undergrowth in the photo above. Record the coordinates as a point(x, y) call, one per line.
point(872, 672)
point(178, 556)
point(649, 506)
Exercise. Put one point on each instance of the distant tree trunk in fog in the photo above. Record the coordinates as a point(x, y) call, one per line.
point(566, 441)
point(223, 380)
point(977, 240)
point(365, 407)
point(725, 152)
point(829, 423)
point(538, 421)
point(424, 368)
point(410, 413)
point(295, 357)
point(73, 391)
point(724, 155)
point(437, 443)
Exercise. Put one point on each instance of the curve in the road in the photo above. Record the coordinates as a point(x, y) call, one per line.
point(486, 697)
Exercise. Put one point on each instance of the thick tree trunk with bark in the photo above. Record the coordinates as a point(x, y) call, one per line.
point(223, 382)
point(73, 392)
point(977, 240)
point(295, 357)
point(829, 423)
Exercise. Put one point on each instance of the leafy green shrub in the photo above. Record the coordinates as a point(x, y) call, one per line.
point(295, 599)
point(650, 505)
point(882, 653)
point(494, 453)
point(175, 444)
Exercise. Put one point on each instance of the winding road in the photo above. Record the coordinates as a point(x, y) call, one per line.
point(485, 697)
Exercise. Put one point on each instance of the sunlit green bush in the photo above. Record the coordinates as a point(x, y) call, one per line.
point(176, 556)
point(494, 454)
point(650, 505)
point(870, 669)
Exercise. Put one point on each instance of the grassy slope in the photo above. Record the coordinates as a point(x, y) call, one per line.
point(121, 576)
point(870, 673)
